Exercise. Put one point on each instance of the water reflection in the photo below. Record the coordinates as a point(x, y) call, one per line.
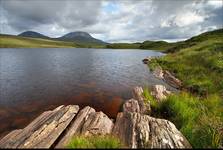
point(35, 80)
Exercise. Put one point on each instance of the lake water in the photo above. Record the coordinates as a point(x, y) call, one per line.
point(35, 80)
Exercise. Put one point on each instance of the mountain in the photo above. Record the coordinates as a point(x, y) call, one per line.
point(33, 34)
point(81, 38)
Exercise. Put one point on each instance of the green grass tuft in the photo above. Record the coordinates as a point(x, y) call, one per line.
point(200, 120)
point(99, 141)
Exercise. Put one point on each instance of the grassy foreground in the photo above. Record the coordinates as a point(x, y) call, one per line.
point(199, 120)
point(100, 142)
point(10, 41)
point(198, 110)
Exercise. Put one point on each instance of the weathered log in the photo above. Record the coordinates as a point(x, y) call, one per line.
point(143, 106)
point(142, 131)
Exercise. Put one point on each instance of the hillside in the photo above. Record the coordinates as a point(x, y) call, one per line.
point(10, 41)
point(82, 38)
point(146, 45)
point(198, 62)
point(33, 34)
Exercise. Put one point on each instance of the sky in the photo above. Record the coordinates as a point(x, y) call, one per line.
point(113, 20)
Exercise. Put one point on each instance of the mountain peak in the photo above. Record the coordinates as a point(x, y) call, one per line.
point(77, 34)
point(33, 34)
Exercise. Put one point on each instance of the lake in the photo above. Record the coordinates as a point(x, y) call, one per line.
point(34, 80)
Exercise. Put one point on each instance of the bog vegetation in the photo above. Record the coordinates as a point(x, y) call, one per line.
point(198, 110)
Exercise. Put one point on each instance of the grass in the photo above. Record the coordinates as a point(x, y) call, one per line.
point(123, 46)
point(99, 141)
point(150, 45)
point(200, 120)
point(198, 110)
point(9, 41)
point(200, 66)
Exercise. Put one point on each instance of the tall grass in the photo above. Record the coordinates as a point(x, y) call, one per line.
point(200, 120)
point(98, 141)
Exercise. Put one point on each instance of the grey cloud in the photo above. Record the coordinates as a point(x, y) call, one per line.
point(133, 21)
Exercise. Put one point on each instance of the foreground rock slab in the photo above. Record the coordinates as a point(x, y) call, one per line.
point(43, 131)
point(142, 131)
point(87, 122)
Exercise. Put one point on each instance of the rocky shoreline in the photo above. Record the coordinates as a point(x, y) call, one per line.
point(164, 75)
point(133, 126)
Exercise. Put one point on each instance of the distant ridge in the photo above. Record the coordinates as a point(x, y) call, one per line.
point(33, 34)
point(78, 37)
point(81, 37)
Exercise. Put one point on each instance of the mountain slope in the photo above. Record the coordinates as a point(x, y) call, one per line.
point(11, 41)
point(81, 38)
point(33, 34)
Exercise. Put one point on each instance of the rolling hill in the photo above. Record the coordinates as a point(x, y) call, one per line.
point(79, 37)
point(11, 41)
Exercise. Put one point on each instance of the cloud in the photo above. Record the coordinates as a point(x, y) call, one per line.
point(113, 20)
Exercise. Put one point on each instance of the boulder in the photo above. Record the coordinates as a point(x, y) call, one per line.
point(87, 122)
point(158, 72)
point(131, 105)
point(43, 131)
point(159, 92)
point(171, 80)
point(142, 131)
point(143, 106)
point(147, 60)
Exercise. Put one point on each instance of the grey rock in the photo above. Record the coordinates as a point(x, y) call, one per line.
point(143, 106)
point(142, 131)
point(160, 92)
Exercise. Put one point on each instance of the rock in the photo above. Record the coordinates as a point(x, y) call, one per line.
point(43, 131)
point(87, 122)
point(131, 105)
point(143, 106)
point(158, 72)
point(97, 124)
point(142, 131)
point(159, 92)
point(147, 60)
point(171, 80)
point(75, 126)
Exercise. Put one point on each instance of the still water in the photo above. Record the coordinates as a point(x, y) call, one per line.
point(34, 80)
